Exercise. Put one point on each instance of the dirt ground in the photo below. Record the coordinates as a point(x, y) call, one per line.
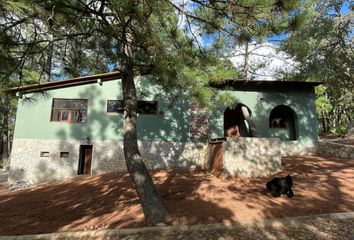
point(321, 185)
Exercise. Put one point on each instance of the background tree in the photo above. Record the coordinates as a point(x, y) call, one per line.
point(324, 50)
point(12, 55)
point(135, 35)
point(225, 26)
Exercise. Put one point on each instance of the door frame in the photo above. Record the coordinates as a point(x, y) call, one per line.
point(82, 159)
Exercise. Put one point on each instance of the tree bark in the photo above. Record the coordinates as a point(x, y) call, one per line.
point(5, 130)
point(246, 59)
point(151, 202)
point(324, 124)
point(49, 61)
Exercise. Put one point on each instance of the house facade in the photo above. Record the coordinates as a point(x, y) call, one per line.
point(73, 127)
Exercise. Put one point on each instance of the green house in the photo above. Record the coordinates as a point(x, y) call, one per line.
point(73, 127)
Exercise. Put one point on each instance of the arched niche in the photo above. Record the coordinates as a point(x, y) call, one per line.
point(283, 123)
point(237, 122)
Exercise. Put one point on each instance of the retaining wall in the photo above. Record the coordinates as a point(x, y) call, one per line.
point(251, 157)
point(333, 149)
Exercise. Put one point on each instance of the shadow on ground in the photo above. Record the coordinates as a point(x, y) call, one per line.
point(321, 185)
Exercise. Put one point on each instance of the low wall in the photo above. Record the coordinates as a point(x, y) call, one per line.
point(296, 148)
point(333, 149)
point(251, 157)
point(27, 165)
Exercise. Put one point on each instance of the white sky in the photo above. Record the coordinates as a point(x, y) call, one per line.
point(264, 60)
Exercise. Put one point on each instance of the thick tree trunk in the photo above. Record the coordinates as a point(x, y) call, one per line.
point(1, 132)
point(151, 202)
point(5, 140)
point(5, 130)
point(153, 207)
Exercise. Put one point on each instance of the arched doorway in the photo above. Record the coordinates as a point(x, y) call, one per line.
point(283, 122)
point(238, 122)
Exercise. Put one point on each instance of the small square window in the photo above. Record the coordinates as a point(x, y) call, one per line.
point(44, 154)
point(64, 154)
point(114, 106)
point(147, 107)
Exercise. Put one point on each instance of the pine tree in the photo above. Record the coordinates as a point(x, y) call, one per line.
point(324, 50)
point(136, 35)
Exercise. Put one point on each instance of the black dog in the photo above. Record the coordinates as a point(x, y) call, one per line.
point(278, 186)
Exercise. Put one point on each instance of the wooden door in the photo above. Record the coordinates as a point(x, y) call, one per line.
point(216, 158)
point(85, 159)
point(88, 159)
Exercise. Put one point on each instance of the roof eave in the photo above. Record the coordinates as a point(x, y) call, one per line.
point(259, 83)
point(65, 83)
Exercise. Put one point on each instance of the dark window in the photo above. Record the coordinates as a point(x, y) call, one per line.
point(115, 106)
point(147, 107)
point(44, 154)
point(69, 110)
point(277, 123)
point(64, 154)
point(144, 107)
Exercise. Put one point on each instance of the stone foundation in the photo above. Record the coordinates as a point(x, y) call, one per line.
point(26, 163)
point(295, 148)
point(251, 157)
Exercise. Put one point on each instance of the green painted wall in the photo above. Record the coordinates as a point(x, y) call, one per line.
point(261, 103)
point(172, 123)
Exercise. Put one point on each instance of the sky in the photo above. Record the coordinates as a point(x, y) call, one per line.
point(266, 59)
point(266, 56)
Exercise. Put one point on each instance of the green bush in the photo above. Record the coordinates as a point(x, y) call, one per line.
point(340, 130)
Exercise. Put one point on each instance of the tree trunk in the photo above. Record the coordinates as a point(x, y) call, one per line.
point(245, 64)
point(1, 132)
point(5, 140)
point(5, 130)
point(49, 61)
point(324, 124)
point(328, 122)
point(153, 207)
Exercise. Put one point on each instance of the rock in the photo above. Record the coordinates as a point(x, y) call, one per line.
point(344, 155)
point(350, 134)
point(19, 185)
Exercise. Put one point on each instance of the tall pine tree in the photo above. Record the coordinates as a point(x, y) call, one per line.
point(135, 35)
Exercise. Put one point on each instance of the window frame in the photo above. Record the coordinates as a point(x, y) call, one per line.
point(69, 110)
